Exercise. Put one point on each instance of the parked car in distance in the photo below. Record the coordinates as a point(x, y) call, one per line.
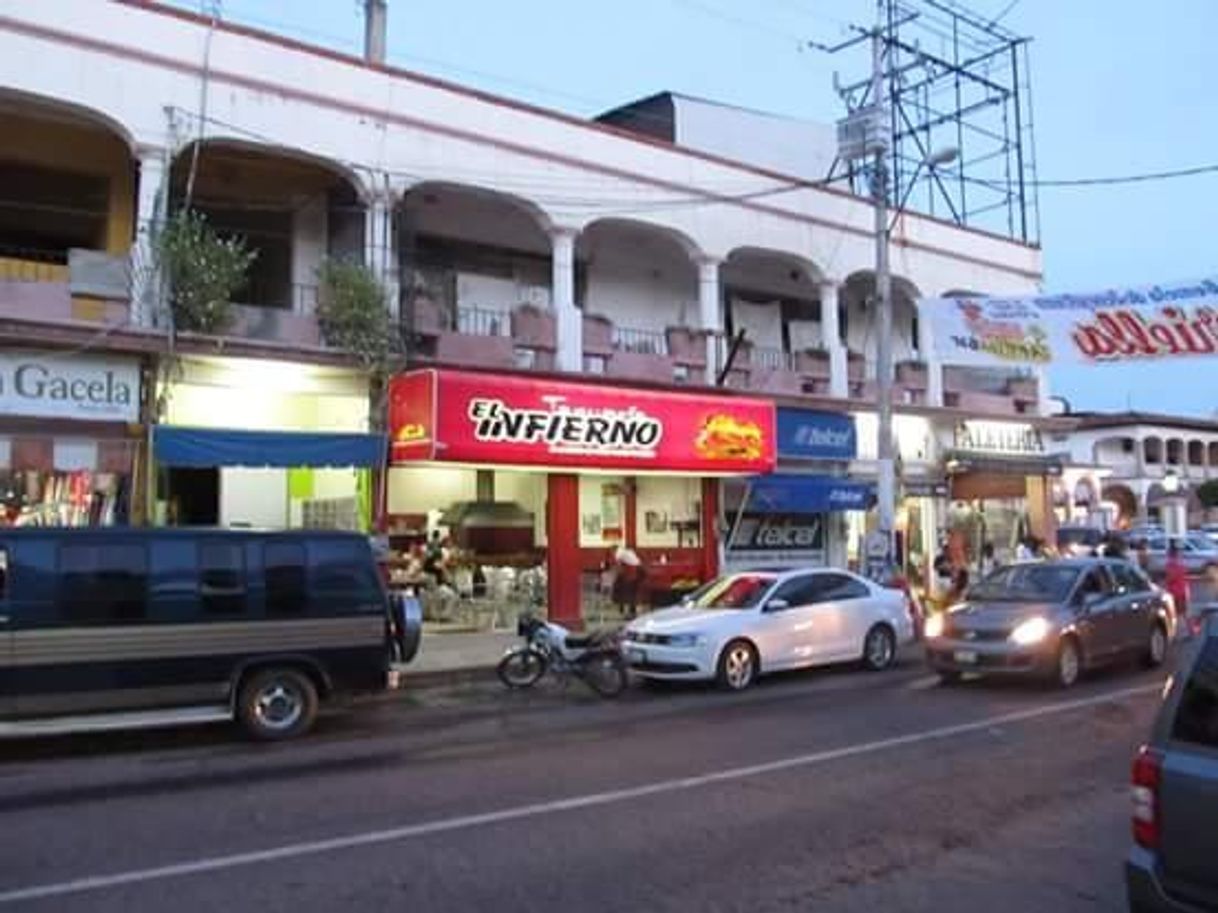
point(1173, 865)
point(754, 622)
point(1198, 552)
point(1210, 531)
point(123, 627)
point(1052, 620)
point(1078, 541)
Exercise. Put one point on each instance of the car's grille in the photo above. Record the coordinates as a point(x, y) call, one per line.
point(642, 637)
point(973, 634)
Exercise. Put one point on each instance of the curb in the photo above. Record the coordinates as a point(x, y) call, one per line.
point(439, 678)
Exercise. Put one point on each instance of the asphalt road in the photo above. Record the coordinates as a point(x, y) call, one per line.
point(826, 791)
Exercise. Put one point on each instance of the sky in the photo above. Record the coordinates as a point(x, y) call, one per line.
point(1119, 87)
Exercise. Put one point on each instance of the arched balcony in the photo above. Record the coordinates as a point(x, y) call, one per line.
point(67, 212)
point(476, 277)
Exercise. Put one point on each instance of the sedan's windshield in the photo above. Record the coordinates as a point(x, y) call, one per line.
point(740, 591)
point(1027, 583)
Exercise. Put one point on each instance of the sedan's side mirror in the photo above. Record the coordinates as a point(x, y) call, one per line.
point(777, 605)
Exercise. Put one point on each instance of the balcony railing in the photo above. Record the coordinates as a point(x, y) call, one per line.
point(772, 359)
point(480, 321)
point(640, 342)
point(297, 297)
point(26, 264)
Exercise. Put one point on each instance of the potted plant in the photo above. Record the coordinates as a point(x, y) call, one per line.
point(203, 270)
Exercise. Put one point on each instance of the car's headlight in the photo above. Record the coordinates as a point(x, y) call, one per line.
point(934, 625)
point(1032, 631)
point(684, 640)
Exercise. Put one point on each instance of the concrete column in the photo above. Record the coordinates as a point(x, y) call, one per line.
point(309, 241)
point(568, 319)
point(710, 314)
point(151, 208)
point(831, 336)
point(934, 368)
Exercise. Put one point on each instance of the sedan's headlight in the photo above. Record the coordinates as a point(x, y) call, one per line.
point(684, 640)
point(1030, 632)
point(934, 625)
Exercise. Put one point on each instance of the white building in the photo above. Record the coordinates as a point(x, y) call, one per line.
point(1155, 462)
point(515, 237)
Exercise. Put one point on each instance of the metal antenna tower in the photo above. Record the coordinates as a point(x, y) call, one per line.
point(951, 78)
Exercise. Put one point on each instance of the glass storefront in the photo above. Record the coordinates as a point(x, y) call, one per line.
point(289, 481)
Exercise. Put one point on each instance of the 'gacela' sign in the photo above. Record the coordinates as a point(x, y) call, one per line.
point(69, 386)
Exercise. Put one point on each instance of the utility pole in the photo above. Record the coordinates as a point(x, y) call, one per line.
point(886, 481)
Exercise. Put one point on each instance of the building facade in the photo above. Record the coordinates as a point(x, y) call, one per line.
point(1154, 464)
point(510, 238)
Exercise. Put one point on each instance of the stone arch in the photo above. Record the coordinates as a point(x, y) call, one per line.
point(775, 297)
point(1126, 502)
point(294, 209)
point(70, 183)
point(641, 277)
point(1153, 451)
point(858, 326)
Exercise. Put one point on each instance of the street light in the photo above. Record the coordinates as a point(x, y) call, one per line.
point(886, 480)
point(1171, 482)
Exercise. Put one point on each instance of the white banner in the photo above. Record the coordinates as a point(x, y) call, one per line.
point(69, 386)
point(1153, 323)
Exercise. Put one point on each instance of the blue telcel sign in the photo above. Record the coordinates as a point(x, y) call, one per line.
point(804, 434)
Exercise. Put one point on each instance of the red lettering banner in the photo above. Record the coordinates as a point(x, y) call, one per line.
point(462, 417)
point(1139, 324)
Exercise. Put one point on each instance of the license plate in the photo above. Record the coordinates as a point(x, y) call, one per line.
point(637, 656)
point(966, 656)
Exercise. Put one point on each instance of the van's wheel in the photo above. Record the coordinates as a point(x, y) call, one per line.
point(277, 704)
point(1156, 647)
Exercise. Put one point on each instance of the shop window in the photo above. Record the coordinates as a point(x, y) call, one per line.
point(284, 570)
point(222, 578)
point(103, 584)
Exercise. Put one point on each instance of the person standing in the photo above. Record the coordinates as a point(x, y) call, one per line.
point(627, 580)
point(1176, 580)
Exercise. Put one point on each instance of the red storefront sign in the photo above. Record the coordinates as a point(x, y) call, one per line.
point(460, 417)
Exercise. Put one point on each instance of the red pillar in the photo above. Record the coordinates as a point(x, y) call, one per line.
point(710, 528)
point(563, 565)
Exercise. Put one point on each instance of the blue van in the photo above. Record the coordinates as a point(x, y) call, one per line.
point(128, 627)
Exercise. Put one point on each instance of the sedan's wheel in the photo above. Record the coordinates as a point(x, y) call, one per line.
point(737, 665)
point(1069, 664)
point(879, 648)
point(1156, 647)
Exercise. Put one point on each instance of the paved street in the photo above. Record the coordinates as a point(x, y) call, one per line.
point(832, 790)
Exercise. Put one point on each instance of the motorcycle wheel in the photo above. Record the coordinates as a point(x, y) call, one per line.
point(522, 668)
point(605, 674)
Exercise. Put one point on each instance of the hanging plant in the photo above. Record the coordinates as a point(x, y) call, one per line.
point(203, 270)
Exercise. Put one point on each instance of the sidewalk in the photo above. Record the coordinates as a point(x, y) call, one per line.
point(447, 655)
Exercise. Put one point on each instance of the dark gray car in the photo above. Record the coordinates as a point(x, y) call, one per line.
point(1052, 619)
point(1173, 866)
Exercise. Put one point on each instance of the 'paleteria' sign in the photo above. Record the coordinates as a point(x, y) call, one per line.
point(455, 416)
point(88, 387)
point(1123, 325)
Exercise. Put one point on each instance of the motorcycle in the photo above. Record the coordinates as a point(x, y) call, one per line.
point(550, 648)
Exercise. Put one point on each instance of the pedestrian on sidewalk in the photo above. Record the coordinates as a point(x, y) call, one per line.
point(1176, 580)
point(627, 580)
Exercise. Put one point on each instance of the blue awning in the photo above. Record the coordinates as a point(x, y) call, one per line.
point(205, 447)
point(795, 494)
